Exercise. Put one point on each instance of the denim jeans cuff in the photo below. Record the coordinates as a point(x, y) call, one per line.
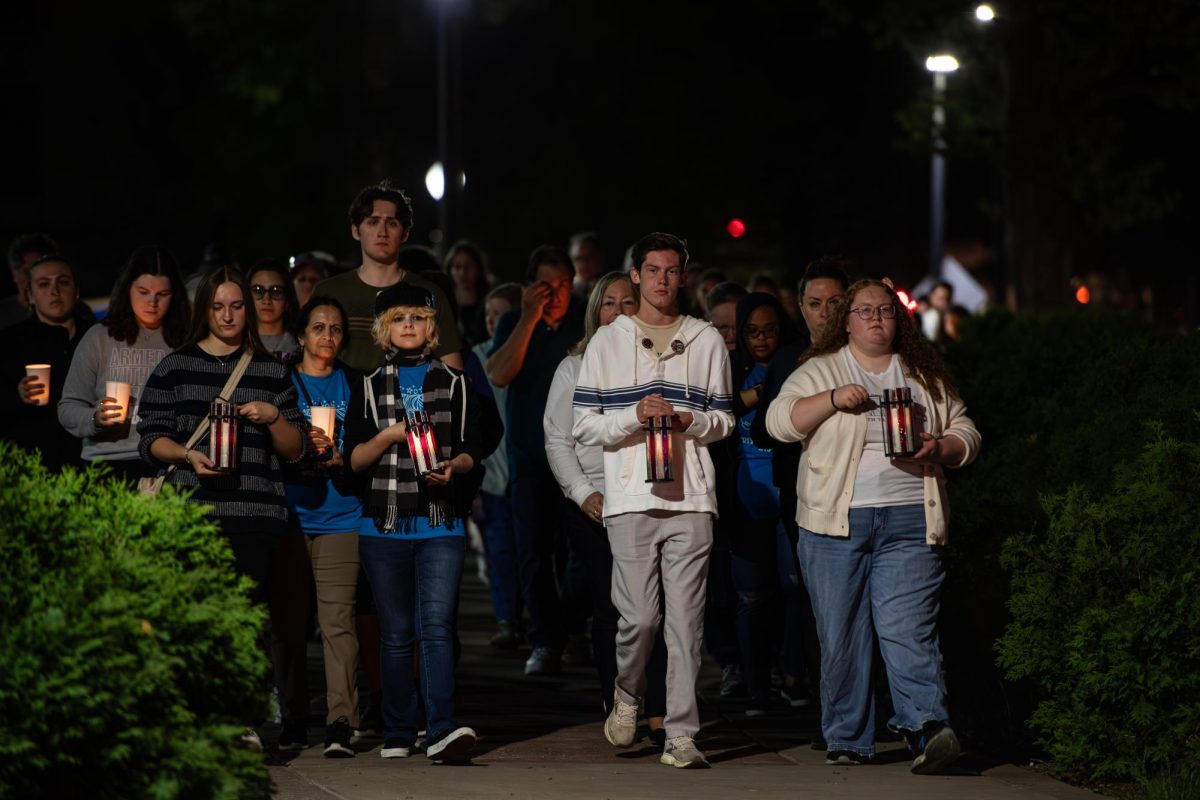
point(833, 745)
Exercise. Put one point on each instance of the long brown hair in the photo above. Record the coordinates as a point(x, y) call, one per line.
point(203, 305)
point(918, 356)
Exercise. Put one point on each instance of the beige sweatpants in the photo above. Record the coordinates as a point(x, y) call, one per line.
point(672, 548)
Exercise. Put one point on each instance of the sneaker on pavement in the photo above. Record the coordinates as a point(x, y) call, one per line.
point(505, 637)
point(758, 708)
point(337, 739)
point(395, 748)
point(621, 725)
point(845, 758)
point(936, 747)
point(293, 735)
point(681, 752)
point(543, 661)
point(732, 684)
point(251, 741)
point(796, 696)
point(454, 746)
point(578, 652)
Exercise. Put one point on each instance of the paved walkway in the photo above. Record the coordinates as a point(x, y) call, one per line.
point(542, 738)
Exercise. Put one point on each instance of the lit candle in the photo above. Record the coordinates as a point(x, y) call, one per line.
point(120, 392)
point(42, 373)
point(222, 442)
point(421, 444)
point(658, 450)
point(898, 434)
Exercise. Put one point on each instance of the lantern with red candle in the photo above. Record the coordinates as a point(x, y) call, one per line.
point(421, 443)
point(658, 450)
point(899, 435)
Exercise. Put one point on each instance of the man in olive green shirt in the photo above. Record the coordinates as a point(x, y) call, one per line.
point(381, 220)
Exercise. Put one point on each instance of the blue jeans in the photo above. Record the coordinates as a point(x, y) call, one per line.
point(415, 583)
point(884, 581)
point(499, 542)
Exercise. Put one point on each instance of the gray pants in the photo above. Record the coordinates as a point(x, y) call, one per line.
point(674, 546)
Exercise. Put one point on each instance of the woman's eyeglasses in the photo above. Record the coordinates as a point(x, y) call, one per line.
point(765, 332)
point(260, 292)
point(868, 312)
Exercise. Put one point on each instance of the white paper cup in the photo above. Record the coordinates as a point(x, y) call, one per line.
point(42, 373)
point(324, 417)
point(120, 391)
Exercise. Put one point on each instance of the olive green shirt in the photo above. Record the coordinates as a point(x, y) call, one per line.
point(358, 298)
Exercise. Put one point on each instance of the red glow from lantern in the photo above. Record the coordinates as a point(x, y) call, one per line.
point(1083, 296)
point(905, 300)
point(736, 228)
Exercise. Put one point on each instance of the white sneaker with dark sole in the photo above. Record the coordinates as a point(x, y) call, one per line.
point(620, 727)
point(681, 753)
point(454, 746)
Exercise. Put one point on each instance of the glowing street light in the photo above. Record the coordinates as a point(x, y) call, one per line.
point(435, 181)
point(940, 65)
point(985, 13)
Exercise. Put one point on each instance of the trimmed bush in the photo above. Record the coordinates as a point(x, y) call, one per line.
point(1106, 618)
point(1060, 399)
point(130, 659)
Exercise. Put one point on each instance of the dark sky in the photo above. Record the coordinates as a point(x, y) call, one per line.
point(253, 123)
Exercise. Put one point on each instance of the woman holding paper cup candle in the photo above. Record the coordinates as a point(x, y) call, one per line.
point(147, 318)
point(415, 502)
point(36, 357)
point(872, 527)
point(328, 512)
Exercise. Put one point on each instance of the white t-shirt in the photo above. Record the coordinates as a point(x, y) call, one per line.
point(880, 481)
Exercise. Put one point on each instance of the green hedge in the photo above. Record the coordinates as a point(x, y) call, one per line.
point(1106, 618)
point(1062, 400)
point(130, 658)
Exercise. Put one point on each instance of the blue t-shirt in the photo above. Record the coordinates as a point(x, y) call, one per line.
point(755, 485)
point(314, 499)
point(410, 391)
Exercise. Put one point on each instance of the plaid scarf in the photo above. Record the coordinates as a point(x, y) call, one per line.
point(396, 495)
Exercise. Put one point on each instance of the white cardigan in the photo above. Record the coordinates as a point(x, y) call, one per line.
point(578, 468)
point(825, 480)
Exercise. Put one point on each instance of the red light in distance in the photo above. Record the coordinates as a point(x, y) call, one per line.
point(1083, 295)
point(736, 228)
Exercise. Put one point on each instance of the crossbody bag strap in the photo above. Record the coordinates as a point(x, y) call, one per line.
point(238, 371)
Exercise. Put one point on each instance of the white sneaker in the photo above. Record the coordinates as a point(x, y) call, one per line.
point(681, 752)
point(250, 741)
point(621, 724)
point(454, 746)
point(392, 748)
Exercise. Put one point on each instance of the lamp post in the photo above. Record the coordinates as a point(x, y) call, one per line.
point(940, 65)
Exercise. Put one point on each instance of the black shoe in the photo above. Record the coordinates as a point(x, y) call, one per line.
point(370, 728)
point(506, 636)
point(294, 735)
point(658, 737)
point(337, 739)
point(818, 742)
point(732, 684)
point(845, 758)
point(935, 747)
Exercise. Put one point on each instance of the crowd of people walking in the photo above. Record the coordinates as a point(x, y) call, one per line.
point(652, 462)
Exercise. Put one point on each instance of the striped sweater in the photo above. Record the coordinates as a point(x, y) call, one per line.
point(177, 397)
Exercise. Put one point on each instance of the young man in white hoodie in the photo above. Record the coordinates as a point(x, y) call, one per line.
point(657, 363)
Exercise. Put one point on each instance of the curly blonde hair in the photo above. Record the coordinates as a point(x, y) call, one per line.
point(918, 356)
point(381, 330)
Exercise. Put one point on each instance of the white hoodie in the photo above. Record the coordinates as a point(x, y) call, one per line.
point(617, 372)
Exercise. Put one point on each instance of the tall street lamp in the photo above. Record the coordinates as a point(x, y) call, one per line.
point(940, 65)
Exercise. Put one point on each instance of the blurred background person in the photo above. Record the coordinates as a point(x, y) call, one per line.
point(24, 250)
point(48, 336)
point(496, 518)
point(307, 270)
point(277, 308)
point(148, 317)
point(467, 266)
point(721, 310)
point(590, 259)
point(705, 282)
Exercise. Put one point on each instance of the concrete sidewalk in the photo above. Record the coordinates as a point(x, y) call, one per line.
point(542, 738)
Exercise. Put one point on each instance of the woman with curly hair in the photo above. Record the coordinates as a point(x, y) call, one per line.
point(872, 528)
